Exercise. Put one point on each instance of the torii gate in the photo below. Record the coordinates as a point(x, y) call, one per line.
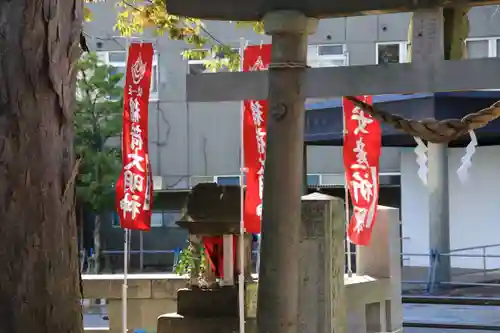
point(286, 86)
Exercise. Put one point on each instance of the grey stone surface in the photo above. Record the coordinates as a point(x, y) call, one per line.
point(321, 260)
point(472, 74)
point(457, 314)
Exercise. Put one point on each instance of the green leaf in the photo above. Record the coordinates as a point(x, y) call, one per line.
point(97, 118)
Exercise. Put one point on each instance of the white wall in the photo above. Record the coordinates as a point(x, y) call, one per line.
point(474, 208)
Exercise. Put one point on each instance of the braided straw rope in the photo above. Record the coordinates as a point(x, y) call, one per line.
point(432, 130)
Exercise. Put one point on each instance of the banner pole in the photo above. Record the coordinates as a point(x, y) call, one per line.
point(125, 282)
point(125, 255)
point(241, 280)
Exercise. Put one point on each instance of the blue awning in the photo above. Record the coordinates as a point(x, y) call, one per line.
point(324, 123)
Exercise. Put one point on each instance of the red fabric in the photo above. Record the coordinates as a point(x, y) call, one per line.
point(214, 250)
point(134, 193)
point(362, 147)
point(255, 58)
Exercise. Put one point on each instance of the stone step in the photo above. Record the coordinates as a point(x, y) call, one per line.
point(175, 323)
point(208, 303)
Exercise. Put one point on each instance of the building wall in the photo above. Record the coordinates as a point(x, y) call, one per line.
point(473, 209)
point(203, 139)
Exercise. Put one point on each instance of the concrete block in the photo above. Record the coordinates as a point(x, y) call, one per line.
point(175, 323)
point(322, 303)
point(220, 302)
point(381, 261)
point(102, 288)
point(142, 313)
point(167, 288)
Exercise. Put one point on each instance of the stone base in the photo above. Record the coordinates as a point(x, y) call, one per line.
point(175, 323)
point(208, 303)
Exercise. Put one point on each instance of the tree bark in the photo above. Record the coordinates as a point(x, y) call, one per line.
point(97, 243)
point(39, 282)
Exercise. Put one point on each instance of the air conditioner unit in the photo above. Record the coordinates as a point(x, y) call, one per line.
point(158, 183)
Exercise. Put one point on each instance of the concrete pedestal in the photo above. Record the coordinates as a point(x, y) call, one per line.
point(374, 304)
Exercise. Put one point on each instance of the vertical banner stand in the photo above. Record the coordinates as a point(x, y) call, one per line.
point(125, 251)
point(347, 217)
point(241, 278)
point(125, 282)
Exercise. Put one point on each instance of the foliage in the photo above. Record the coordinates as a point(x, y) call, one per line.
point(97, 119)
point(136, 16)
point(190, 260)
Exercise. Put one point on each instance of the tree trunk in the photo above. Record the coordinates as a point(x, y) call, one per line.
point(97, 244)
point(39, 283)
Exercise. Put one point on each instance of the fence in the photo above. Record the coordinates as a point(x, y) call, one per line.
point(140, 260)
point(486, 276)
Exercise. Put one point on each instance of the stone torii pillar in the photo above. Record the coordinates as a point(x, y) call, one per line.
point(283, 183)
point(428, 40)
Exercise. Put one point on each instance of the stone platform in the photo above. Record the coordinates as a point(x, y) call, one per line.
point(372, 298)
point(368, 308)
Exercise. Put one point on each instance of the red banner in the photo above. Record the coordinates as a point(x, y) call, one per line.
point(134, 188)
point(362, 147)
point(255, 58)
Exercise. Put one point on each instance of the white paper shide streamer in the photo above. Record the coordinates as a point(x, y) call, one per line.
point(421, 151)
point(462, 171)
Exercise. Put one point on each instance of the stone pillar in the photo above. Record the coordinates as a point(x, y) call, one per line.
point(305, 184)
point(439, 212)
point(428, 47)
point(381, 260)
point(279, 270)
point(322, 303)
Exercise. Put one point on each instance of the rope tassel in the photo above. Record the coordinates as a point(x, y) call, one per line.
point(462, 171)
point(421, 151)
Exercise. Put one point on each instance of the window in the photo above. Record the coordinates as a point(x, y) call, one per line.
point(227, 180)
point(170, 217)
point(118, 59)
point(327, 55)
point(156, 219)
point(115, 220)
point(483, 47)
point(392, 52)
point(313, 180)
point(200, 66)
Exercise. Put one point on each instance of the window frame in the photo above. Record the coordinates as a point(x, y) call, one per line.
point(216, 179)
point(105, 55)
point(492, 45)
point(344, 57)
point(403, 50)
point(320, 181)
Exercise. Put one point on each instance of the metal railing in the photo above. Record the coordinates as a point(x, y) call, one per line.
point(107, 257)
point(434, 259)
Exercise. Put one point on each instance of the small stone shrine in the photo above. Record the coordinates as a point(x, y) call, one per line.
point(369, 301)
point(209, 304)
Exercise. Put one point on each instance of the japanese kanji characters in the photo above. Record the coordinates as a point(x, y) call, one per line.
point(362, 143)
point(134, 185)
point(255, 58)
